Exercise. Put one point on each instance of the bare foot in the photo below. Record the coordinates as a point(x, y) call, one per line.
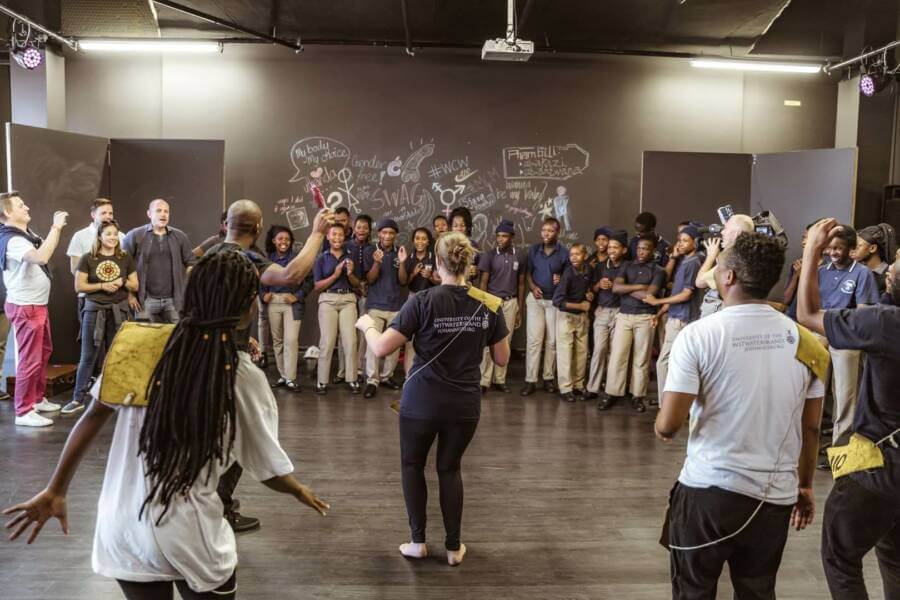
point(455, 557)
point(413, 550)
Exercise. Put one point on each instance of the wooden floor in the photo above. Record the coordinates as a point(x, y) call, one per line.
point(561, 502)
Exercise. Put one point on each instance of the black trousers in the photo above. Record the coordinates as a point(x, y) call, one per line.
point(416, 439)
point(857, 520)
point(162, 590)
point(698, 516)
point(227, 484)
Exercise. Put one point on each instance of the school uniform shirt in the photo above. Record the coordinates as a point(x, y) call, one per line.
point(684, 279)
point(636, 273)
point(26, 283)
point(193, 541)
point(422, 281)
point(660, 255)
point(357, 253)
point(543, 266)
point(747, 423)
point(573, 287)
point(607, 270)
point(82, 242)
point(449, 330)
point(385, 293)
point(324, 268)
point(846, 288)
point(874, 330)
point(503, 268)
point(301, 290)
point(106, 269)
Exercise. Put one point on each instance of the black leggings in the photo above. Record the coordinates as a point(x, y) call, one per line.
point(162, 590)
point(416, 438)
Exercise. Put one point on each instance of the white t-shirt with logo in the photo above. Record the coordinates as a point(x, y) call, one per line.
point(745, 427)
point(194, 541)
point(26, 283)
point(82, 242)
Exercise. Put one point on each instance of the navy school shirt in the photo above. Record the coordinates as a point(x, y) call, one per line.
point(660, 255)
point(636, 273)
point(301, 290)
point(357, 254)
point(874, 330)
point(422, 280)
point(684, 279)
point(324, 268)
point(846, 288)
point(573, 287)
point(608, 270)
point(503, 269)
point(385, 293)
point(449, 388)
point(543, 266)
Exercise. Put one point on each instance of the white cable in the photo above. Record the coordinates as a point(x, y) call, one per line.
point(761, 502)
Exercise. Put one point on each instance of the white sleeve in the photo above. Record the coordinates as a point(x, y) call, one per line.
point(256, 445)
point(18, 247)
point(74, 249)
point(816, 388)
point(684, 369)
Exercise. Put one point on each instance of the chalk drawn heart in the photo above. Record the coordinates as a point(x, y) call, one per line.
point(316, 173)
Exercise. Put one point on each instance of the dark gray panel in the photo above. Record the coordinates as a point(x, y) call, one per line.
point(55, 170)
point(690, 186)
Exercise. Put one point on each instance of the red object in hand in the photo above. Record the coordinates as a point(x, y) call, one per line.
point(317, 196)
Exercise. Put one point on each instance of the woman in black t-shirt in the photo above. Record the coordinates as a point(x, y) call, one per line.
point(449, 325)
point(105, 275)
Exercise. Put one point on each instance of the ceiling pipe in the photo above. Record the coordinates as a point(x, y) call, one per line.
point(295, 46)
point(405, 9)
point(68, 42)
point(852, 61)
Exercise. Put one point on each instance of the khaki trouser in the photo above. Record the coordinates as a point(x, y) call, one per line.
point(673, 327)
point(382, 319)
point(285, 335)
point(571, 350)
point(491, 373)
point(604, 326)
point(540, 323)
point(337, 314)
point(633, 336)
point(360, 346)
point(844, 373)
point(262, 326)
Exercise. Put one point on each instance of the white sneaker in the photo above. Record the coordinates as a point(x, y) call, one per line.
point(46, 406)
point(32, 419)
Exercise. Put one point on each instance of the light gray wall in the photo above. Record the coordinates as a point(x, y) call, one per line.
point(261, 100)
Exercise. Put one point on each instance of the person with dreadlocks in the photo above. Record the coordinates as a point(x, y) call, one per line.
point(875, 248)
point(203, 406)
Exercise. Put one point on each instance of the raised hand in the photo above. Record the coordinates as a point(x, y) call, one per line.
point(59, 219)
point(401, 253)
point(378, 256)
point(713, 246)
point(349, 265)
point(324, 219)
point(556, 278)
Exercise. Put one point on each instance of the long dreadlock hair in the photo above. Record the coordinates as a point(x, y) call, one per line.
point(190, 411)
point(883, 236)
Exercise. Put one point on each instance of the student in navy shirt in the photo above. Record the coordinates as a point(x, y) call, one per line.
point(417, 273)
point(546, 261)
point(335, 280)
point(573, 297)
point(449, 325)
point(862, 511)
point(503, 275)
point(341, 217)
point(461, 222)
point(384, 300)
point(645, 224)
point(440, 225)
point(845, 284)
point(875, 247)
point(601, 243)
point(635, 325)
point(605, 274)
point(356, 249)
point(683, 304)
point(284, 307)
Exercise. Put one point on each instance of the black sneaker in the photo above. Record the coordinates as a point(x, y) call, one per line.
point(239, 523)
point(500, 387)
point(484, 390)
point(391, 384)
point(606, 402)
point(371, 390)
point(653, 401)
point(637, 404)
point(550, 386)
point(528, 389)
point(280, 383)
point(263, 362)
point(354, 388)
point(292, 386)
point(591, 396)
point(321, 388)
point(338, 380)
point(579, 394)
point(567, 397)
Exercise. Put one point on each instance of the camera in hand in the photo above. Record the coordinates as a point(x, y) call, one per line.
point(764, 222)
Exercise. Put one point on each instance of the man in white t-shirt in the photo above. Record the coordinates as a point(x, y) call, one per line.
point(754, 430)
point(23, 258)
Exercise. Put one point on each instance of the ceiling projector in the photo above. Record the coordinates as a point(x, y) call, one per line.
point(505, 49)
